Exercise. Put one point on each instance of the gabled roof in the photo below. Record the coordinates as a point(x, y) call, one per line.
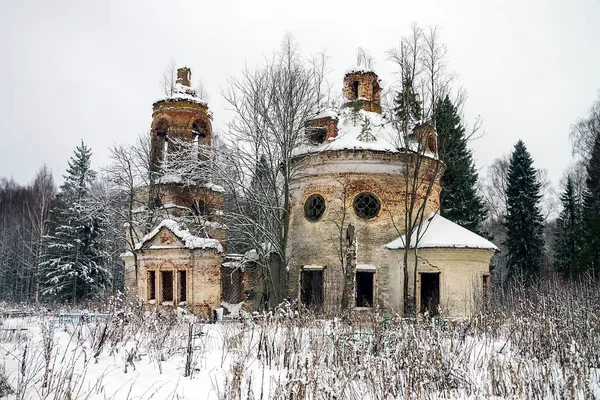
point(439, 232)
point(188, 240)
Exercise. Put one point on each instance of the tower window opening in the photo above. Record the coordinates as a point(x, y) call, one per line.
point(317, 134)
point(160, 141)
point(355, 90)
point(200, 208)
point(200, 129)
point(165, 146)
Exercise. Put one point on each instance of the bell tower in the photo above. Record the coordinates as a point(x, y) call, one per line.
point(362, 86)
point(183, 116)
point(180, 115)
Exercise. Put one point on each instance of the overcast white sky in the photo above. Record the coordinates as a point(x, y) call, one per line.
point(90, 70)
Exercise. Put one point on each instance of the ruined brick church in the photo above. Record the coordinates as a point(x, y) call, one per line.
point(351, 168)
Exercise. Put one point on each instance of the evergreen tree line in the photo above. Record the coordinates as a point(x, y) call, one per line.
point(528, 238)
point(59, 245)
point(578, 236)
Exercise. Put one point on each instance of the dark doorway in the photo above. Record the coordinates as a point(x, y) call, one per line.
point(486, 287)
point(430, 293)
point(166, 278)
point(231, 284)
point(364, 289)
point(151, 285)
point(182, 278)
point(311, 292)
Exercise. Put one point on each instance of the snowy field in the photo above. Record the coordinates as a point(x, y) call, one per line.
point(546, 346)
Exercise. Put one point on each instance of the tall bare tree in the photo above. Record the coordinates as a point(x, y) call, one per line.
point(585, 131)
point(271, 106)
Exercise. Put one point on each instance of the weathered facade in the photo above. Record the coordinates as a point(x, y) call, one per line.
point(358, 170)
point(352, 181)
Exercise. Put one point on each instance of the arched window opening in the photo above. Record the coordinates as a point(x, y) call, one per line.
point(200, 129)
point(162, 130)
point(375, 91)
point(200, 208)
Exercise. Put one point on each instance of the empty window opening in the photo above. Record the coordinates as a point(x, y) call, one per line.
point(311, 289)
point(200, 129)
point(317, 134)
point(364, 289)
point(159, 141)
point(165, 146)
point(166, 278)
point(430, 293)
point(151, 285)
point(374, 94)
point(182, 278)
point(199, 208)
point(355, 90)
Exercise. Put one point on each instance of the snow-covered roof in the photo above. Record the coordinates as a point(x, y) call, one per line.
point(439, 232)
point(358, 69)
point(176, 178)
point(364, 130)
point(190, 241)
point(328, 113)
point(183, 93)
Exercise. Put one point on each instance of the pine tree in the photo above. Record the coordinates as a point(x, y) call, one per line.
point(524, 222)
point(569, 235)
point(460, 201)
point(591, 207)
point(74, 261)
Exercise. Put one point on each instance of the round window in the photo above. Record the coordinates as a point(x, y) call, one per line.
point(314, 207)
point(366, 205)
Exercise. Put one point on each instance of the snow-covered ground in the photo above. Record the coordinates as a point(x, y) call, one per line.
point(132, 354)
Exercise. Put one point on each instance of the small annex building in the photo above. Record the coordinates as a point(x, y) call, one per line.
point(452, 266)
point(180, 269)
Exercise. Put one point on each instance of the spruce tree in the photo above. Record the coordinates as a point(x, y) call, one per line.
point(407, 108)
point(524, 222)
point(591, 207)
point(74, 264)
point(569, 234)
point(460, 201)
